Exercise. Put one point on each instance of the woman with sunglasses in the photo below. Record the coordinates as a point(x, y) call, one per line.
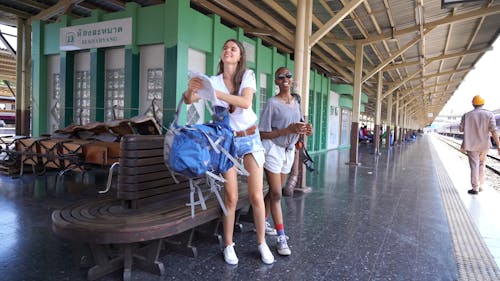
point(280, 126)
point(234, 87)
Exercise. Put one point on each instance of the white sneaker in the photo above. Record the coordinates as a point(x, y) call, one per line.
point(229, 255)
point(283, 246)
point(270, 230)
point(265, 254)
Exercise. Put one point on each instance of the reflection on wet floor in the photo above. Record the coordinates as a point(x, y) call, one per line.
point(382, 220)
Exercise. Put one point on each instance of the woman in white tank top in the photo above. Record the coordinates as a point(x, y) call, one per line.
point(234, 88)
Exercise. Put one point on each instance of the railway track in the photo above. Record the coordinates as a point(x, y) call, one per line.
point(492, 161)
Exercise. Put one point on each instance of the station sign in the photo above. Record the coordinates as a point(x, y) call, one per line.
point(96, 35)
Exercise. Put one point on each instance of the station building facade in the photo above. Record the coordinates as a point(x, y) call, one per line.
point(135, 62)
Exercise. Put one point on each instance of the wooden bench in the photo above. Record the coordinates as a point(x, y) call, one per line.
point(149, 206)
point(65, 154)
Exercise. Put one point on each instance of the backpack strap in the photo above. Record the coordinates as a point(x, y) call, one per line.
point(213, 181)
point(218, 149)
point(194, 187)
point(177, 113)
point(299, 100)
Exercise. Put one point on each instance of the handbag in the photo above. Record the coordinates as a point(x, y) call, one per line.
point(304, 156)
point(299, 145)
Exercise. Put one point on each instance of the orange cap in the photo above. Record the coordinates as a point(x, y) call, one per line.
point(477, 100)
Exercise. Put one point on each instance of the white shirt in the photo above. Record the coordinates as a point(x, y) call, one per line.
point(241, 119)
point(477, 125)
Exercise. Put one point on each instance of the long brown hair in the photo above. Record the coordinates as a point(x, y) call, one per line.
point(240, 69)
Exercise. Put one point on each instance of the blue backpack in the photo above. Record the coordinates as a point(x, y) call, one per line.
point(198, 150)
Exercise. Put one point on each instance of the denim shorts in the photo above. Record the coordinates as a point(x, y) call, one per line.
point(250, 144)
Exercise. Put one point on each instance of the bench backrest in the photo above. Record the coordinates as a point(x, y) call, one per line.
point(143, 176)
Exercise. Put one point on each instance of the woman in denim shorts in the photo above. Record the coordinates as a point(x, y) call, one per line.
point(234, 87)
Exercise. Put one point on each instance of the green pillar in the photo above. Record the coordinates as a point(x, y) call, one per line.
point(67, 86)
point(132, 59)
point(132, 66)
point(176, 57)
point(39, 106)
point(97, 84)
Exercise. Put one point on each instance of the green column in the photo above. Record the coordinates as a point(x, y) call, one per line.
point(177, 15)
point(131, 82)
point(97, 84)
point(67, 86)
point(132, 64)
point(39, 106)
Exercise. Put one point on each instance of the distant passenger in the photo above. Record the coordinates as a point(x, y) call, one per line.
point(476, 126)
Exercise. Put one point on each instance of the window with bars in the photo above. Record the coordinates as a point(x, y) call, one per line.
point(82, 98)
point(55, 107)
point(345, 126)
point(114, 101)
point(262, 91)
point(155, 93)
point(263, 98)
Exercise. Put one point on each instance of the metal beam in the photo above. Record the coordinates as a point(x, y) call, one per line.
point(329, 25)
point(437, 58)
point(482, 12)
point(422, 88)
point(6, 82)
point(6, 43)
point(34, 4)
point(222, 13)
point(272, 22)
point(14, 11)
point(55, 10)
point(399, 84)
point(395, 55)
point(118, 3)
point(444, 73)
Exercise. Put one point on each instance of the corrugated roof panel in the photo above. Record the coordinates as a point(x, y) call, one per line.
point(471, 60)
point(358, 25)
point(432, 11)
point(462, 34)
point(491, 25)
point(403, 13)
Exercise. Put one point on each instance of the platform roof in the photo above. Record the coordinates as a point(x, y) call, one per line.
point(425, 48)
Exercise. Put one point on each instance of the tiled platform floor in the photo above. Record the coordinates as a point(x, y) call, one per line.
point(382, 220)
point(484, 208)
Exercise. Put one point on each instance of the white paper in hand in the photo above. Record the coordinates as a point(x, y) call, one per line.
point(207, 92)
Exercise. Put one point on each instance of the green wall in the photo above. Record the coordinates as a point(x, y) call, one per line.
point(179, 28)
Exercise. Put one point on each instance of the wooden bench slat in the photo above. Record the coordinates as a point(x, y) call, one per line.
point(144, 153)
point(131, 162)
point(134, 142)
point(131, 195)
point(145, 178)
point(100, 230)
point(132, 171)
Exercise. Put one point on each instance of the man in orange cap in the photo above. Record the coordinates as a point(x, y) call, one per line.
point(477, 125)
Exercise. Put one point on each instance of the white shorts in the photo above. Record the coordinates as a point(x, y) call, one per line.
point(279, 160)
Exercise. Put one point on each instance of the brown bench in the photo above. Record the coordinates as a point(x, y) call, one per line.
point(65, 154)
point(149, 206)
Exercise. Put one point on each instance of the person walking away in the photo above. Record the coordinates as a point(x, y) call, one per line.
point(235, 86)
point(476, 126)
point(280, 127)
